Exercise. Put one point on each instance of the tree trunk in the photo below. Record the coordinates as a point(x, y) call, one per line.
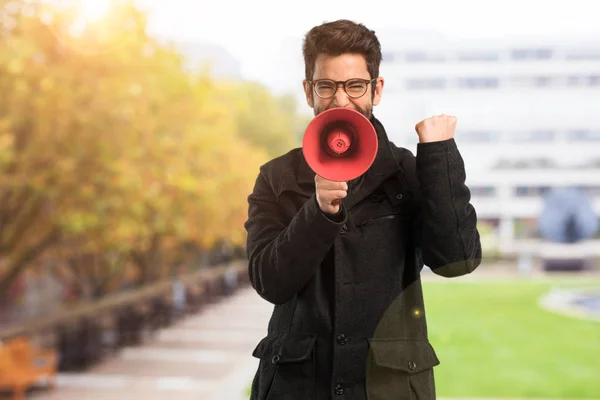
point(24, 260)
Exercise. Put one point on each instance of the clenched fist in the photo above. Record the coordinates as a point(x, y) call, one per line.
point(329, 194)
point(436, 128)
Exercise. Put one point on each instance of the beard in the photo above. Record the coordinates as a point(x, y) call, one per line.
point(366, 111)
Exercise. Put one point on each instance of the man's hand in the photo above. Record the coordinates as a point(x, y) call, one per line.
point(436, 128)
point(329, 194)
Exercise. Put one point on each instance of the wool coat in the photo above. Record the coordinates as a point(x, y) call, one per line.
point(349, 320)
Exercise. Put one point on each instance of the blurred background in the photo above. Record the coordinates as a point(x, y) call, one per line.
point(131, 133)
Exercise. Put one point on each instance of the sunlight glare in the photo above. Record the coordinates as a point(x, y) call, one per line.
point(94, 10)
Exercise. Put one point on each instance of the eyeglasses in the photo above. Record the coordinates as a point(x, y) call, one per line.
point(354, 88)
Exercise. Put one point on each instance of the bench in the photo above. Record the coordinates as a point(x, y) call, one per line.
point(22, 366)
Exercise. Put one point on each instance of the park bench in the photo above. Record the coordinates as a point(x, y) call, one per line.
point(22, 366)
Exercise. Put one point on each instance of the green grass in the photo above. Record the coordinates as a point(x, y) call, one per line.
point(493, 340)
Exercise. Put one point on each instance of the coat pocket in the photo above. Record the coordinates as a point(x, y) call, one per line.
point(400, 369)
point(390, 202)
point(370, 219)
point(286, 368)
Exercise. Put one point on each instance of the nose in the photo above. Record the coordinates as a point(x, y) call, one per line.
point(341, 99)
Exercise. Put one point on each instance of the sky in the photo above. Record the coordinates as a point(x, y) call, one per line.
point(250, 29)
point(253, 31)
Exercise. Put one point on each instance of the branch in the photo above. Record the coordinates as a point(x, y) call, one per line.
point(23, 218)
point(25, 259)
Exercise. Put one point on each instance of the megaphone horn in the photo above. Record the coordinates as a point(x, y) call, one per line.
point(340, 144)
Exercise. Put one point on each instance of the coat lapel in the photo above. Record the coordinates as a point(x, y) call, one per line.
point(384, 166)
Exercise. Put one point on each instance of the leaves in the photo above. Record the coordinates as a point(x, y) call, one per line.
point(105, 136)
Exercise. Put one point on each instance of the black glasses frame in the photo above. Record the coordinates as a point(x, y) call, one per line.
point(343, 84)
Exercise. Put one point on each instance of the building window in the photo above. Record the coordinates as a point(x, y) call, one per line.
point(483, 191)
point(533, 163)
point(478, 83)
point(533, 136)
point(522, 191)
point(575, 81)
point(591, 80)
point(477, 56)
point(582, 55)
point(418, 56)
point(532, 191)
point(594, 80)
point(537, 81)
point(583, 135)
point(531, 54)
point(591, 191)
point(479, 136)
point(420, 84)
point(543, 81)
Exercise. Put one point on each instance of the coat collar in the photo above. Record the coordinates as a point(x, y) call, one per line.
point(384, 166)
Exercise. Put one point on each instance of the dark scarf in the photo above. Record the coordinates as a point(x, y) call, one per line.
point(355, 184)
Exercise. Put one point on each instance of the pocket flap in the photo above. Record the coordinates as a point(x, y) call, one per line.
point(264, 348)
point(286, 348)
point(410, 356)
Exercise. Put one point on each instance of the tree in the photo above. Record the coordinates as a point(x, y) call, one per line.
point(264, 120)
point(111, 150)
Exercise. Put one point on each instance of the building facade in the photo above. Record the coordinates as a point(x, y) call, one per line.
point(528, 116)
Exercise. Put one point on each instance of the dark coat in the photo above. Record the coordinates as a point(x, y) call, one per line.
point(349, 320)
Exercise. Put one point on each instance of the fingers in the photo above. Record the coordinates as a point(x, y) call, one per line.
point(330, 185)
point(329, 194)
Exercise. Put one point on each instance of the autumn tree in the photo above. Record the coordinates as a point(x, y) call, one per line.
point(111, 150)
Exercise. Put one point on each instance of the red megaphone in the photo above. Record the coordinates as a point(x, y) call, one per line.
point(340, 144)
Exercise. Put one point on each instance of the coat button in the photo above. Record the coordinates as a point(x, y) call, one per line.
point(412, 365)
point(399, 196)
point(344, 229)
point(275, 359)
point(339, 390)
point(342, 339)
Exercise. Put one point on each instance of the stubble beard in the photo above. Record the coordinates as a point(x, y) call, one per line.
point(367, 111)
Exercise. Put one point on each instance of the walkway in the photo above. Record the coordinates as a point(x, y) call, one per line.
point(206, 356)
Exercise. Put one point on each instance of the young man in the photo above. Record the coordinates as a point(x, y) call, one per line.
point(349, 320)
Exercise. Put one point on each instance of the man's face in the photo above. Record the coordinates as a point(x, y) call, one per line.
point(343, 68)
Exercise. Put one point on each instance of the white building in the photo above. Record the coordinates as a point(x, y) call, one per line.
point(528, 116)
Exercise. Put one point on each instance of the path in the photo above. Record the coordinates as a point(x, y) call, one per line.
point(203, 357)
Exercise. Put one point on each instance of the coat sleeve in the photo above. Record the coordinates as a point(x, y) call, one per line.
point(446, 221)
point(284, 254)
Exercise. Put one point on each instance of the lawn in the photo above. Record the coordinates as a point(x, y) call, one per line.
point(493, 340)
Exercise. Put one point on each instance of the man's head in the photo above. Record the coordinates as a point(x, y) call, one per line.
point(342, 51)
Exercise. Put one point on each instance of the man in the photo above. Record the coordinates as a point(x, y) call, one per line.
point(349, 319)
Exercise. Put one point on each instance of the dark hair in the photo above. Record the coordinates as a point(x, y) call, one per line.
point(339, 37)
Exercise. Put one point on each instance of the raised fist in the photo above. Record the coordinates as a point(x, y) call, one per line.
point(436, 128)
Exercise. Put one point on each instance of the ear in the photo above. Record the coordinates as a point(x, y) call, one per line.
point(379, 83)
point(308, 93)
